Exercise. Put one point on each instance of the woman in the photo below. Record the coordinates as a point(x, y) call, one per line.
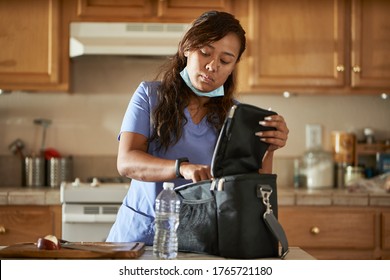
point(171, 126)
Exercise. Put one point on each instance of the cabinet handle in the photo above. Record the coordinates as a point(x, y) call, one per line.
point(315, 230)
point(2, 230)
point(356, 69)
point(340, 68)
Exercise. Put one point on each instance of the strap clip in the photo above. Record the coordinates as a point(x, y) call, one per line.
point(265, 193)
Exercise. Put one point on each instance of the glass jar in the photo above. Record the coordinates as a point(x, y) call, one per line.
point(353, 174)
point(318, 169)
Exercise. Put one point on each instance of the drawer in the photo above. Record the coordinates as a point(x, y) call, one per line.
point(329, 227)
point(385, 221)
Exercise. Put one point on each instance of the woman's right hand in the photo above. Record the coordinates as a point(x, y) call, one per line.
point(195, 172)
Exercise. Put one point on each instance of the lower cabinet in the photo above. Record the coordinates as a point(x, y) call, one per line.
point(385, 234)
point(28, 223)
point(338, 232)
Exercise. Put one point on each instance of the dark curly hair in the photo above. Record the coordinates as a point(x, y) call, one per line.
point(173, 95)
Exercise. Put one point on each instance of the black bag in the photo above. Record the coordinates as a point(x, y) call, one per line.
point(234, 215)
point(238, 149)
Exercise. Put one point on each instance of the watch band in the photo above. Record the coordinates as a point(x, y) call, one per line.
point(178, 162)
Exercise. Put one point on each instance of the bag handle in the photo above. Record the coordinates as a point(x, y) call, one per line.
point(270, 220)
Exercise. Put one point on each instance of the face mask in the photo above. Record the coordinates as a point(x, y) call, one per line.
point(215, 93)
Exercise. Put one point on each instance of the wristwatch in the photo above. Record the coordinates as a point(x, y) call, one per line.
point(179, 161)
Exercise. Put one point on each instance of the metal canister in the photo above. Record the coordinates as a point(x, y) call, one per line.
point(34, 170)
point(339, 173)
point(59, 170)
point(343, 147)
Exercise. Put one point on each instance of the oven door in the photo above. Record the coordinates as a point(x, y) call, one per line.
point(87, 222)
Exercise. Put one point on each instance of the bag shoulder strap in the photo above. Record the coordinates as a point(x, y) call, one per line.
point(270, 220)
point(277, 230)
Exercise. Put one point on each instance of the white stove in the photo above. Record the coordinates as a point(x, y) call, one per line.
point(89, 208)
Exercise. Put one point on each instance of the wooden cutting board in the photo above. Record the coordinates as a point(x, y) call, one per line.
point(77, 250)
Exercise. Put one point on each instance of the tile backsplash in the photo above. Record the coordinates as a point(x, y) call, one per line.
point(86, 167)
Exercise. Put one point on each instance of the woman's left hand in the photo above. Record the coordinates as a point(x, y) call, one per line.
point(276, 138)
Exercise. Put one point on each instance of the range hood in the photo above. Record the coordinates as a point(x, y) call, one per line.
point(152, 39)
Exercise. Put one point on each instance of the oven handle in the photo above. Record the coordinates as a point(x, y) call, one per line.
point(81, 218)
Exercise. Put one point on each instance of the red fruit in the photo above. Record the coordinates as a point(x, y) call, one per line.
point(49, 242)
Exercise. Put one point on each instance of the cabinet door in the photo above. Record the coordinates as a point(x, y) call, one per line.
point(386, 230)
point(29, 39)
point(189, 10)
point(28, 223)
point(114, 9)
point(148, 10)
point(370, 43)
point(296, 43)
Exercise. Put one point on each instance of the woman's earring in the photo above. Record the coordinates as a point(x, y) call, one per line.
point(186, 53)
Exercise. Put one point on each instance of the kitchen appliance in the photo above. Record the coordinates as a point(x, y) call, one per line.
point(90, 209)
point(116, 38)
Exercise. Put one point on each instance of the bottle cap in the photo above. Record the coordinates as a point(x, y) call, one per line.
point(168, 185)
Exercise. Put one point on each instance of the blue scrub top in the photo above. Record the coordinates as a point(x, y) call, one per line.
point(135, 219)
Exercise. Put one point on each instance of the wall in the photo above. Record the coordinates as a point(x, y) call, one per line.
point(86, 122)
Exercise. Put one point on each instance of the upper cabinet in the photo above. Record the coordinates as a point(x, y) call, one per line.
point(147, 10)
point(370, 50)
point(322, 46)
point(303, 46)
point(34, 35)
point(30, 45)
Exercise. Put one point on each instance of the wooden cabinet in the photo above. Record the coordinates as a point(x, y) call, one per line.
point(296, 44)
point(94, 9)
point(34, 35)
point(370, 44)
point(147, 10)
point(301, 46)
point(325, 231)
point(330, 232)
point(30, 45)
point(320, 46)
point(189, 10)
point(28, 223)
point(385, 234)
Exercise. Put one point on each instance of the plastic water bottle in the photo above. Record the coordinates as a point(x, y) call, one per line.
point(165, 244)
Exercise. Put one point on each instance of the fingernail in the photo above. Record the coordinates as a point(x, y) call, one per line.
point(259, 133)
point(269, 118)
point(263, 139)
point(262, 122)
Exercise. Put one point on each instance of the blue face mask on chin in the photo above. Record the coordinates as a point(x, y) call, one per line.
point(215, 93)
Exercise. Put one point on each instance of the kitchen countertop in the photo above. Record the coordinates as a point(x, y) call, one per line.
point(286, 197)
point(29, 196)
point(295, 253)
